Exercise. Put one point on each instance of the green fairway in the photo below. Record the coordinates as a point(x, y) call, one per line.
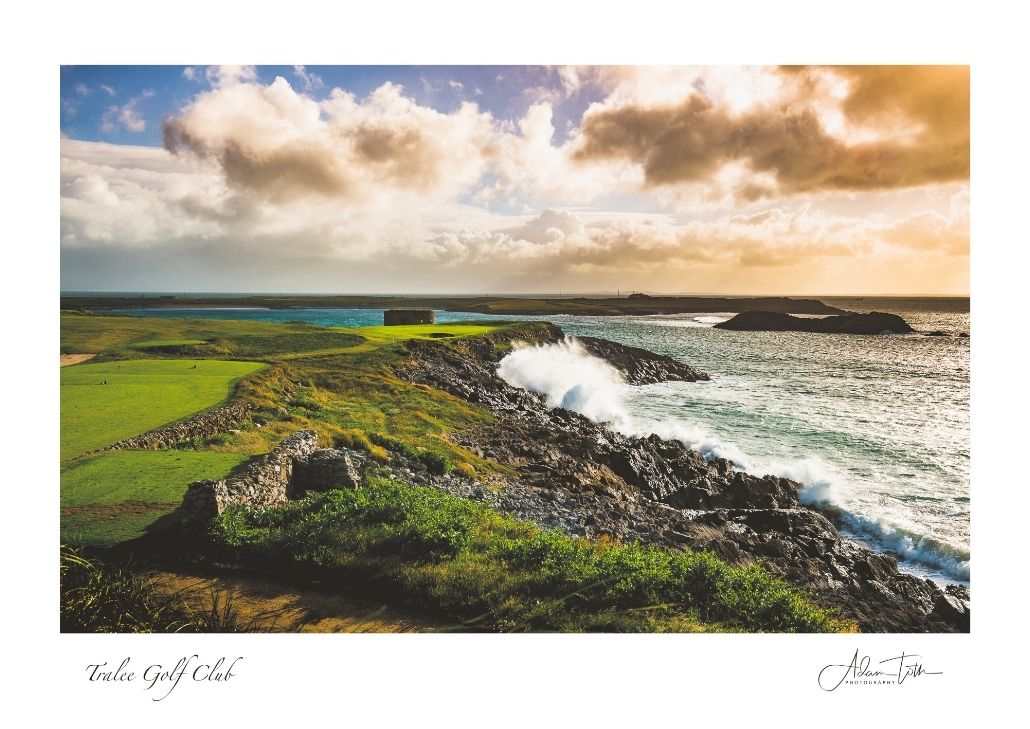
point(385, 334)
point(139, 395)
point(115, 496)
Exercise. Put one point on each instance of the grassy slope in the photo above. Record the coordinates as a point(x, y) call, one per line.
point(123, 336)
point(157, 343)
point(455, 558)
point(112, 497)
point(461, 561)
point(139, 395)
point(346, 393)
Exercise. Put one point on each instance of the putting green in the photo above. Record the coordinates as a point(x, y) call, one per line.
point(139, 395)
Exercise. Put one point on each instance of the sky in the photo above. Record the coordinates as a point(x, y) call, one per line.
point(516, 179)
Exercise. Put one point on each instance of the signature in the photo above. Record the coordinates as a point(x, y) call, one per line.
point(861, 670)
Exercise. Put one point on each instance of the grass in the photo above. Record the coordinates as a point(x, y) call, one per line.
point(121, 337)
point(113, 497)
point(350, 396)
point(139, 395)
point(384, 334)
point(457, 560)
point(101, 598)
point(464, 562)
point(157, 343)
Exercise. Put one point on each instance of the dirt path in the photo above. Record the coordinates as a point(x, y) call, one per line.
point(71, 359)
point(266, 605)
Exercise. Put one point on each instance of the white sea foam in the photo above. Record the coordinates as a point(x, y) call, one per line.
point(824, 488)
point(570, 377)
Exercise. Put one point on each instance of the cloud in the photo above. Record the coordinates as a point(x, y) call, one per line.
point(220, 76)
point(191, 73)
point(911, 128)
point(277, 143)
point(108, 90)
point(126, 116)
point(310, 80)
point(527, 167)
point(126, 210)
point(82, 89)
point(731, 180)
point(127, 197)
point(550, 226)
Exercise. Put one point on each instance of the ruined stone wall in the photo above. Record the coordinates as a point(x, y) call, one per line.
point(324, 469)
point(408, 316)
point(265, 481)
point(202, 425)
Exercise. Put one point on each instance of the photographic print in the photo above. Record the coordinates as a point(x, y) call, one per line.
point(494, 349)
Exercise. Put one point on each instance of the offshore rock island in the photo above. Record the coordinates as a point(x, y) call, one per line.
point(774, 321)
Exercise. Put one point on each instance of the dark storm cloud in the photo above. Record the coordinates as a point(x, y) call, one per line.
point(690, 141)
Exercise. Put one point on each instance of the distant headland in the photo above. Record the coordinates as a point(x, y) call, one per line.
point(632, 305)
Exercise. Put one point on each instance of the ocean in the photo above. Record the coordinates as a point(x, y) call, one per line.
point(876, 428)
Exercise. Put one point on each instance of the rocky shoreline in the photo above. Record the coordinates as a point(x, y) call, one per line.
point(585, 479)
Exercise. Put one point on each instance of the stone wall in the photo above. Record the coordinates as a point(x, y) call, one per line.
point(265, 481)
point(408, 316)
point(326, 468)
point(202, 425)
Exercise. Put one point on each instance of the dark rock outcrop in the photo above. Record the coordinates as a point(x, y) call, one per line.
point(771, 321)
point(639, 366)
point(586, 479)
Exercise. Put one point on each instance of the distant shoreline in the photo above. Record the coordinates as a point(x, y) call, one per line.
point(633, 305)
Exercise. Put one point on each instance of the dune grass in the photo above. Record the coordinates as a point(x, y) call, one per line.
point(462, 561)
point(122, 337)
point(139, 395)
point(112, 497)
point(101, 598)
point(157, 343)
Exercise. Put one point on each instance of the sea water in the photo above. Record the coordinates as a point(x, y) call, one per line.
point(876, 428)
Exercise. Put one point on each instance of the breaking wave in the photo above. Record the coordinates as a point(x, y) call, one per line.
point(568, 376)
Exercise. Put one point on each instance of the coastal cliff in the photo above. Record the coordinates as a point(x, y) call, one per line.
point(585, 479)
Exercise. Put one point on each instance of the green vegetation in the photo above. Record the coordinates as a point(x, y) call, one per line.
point(357, 400)
point(455, 559)
point(384, 334)
point(338, 382)
point(121, 337)
point(99, 598)
point(139, 395)
point(116, 496)
point(158, 343)
point(462, 561)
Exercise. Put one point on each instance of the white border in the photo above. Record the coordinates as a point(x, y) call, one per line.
point(511, 680)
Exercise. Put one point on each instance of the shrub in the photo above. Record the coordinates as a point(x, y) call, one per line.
point(464, 561)
point(465, 469)
point(101, 598)
point(359, 440)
